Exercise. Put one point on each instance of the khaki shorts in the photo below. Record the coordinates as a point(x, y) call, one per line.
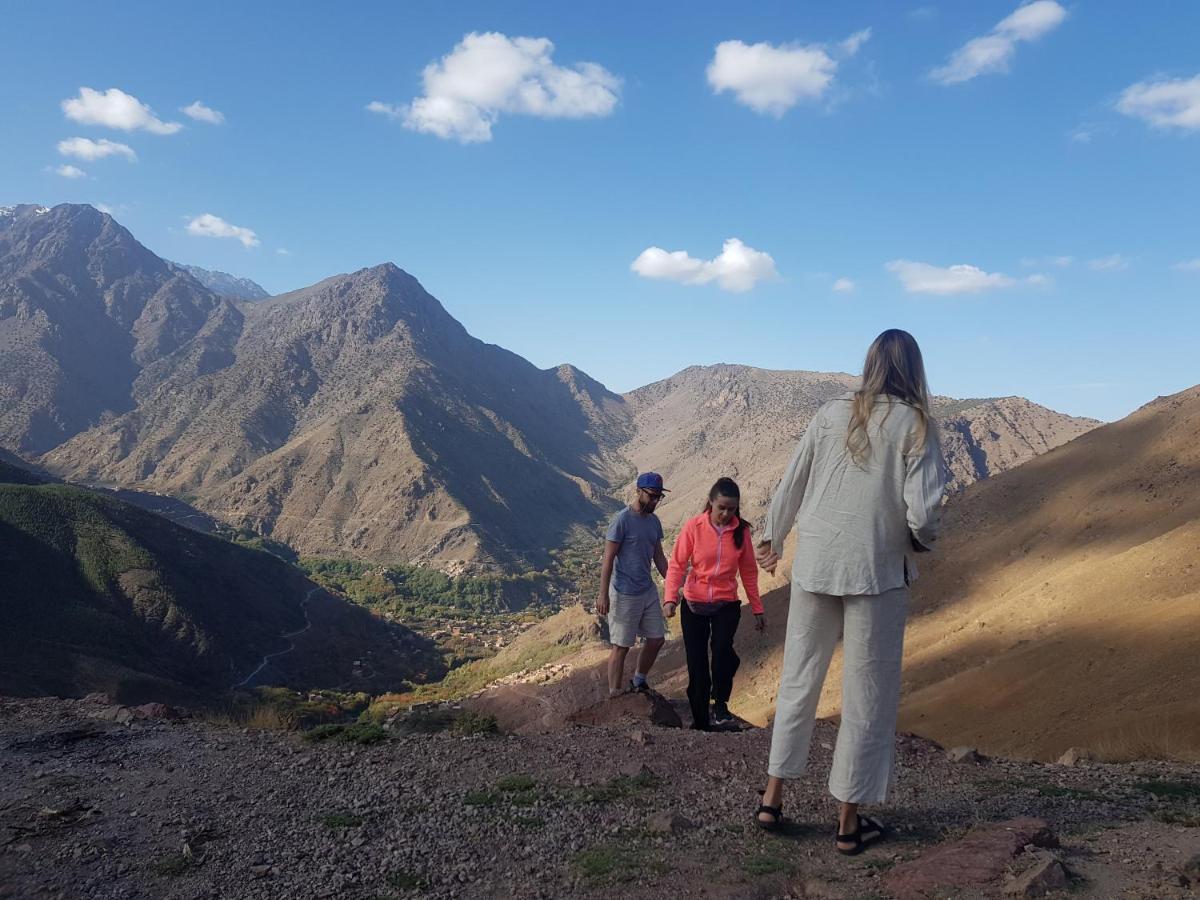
point(634, 615)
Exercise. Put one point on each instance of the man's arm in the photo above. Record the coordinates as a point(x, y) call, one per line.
point(660, 560)
point(606, 568)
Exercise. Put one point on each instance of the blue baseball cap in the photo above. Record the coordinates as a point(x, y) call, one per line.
point(651, 481)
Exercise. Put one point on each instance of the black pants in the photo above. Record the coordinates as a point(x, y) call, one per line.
point(698, 632)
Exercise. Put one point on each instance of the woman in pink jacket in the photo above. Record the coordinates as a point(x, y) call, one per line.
point(717, 546)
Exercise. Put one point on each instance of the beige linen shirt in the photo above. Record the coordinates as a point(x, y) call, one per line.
point(853, 521)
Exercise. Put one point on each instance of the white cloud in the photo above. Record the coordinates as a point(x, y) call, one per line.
point(844, 286)
point(1190, 265)
point(283, 251)
point(923, 12)
point(387, 109)
point(115, 109)
point(1039, 280)
point(1171, 103)
point(86, 148)
point(994, 51)
point(202, 113)
point(853, 44)
point(771, 79)
point(209, 225)
point(1112, 263)
point(69, 171)
point(738, 269)
point(923, 278)
point(105, 208)
point(488, 75)
point(1086, 132)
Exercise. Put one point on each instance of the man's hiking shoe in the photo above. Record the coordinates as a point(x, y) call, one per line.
point(721, 714)
point(636, 688)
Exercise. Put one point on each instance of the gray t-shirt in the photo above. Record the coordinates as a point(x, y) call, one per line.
point(638, 535)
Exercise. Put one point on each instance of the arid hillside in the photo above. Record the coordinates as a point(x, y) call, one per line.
point(1063, 605)
point(1059, 610)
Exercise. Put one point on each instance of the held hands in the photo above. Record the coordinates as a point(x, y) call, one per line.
point(767, 558)
point(669, 606)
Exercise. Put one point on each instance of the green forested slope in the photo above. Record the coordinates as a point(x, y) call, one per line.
point(96, 594)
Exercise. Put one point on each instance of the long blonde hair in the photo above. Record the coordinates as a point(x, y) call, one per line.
point(893, 367)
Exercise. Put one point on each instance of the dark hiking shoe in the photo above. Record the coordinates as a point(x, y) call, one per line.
point(721, 714)
point(638, 689)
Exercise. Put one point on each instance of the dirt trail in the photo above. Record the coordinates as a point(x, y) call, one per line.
point(245, 682)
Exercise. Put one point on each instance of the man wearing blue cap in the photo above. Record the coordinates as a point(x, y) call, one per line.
point(628, 596)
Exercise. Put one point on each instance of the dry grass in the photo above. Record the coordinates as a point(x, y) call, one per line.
point(257, 717)
point(1164, 739)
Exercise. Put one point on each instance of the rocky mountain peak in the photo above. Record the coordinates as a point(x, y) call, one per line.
point(223, 284)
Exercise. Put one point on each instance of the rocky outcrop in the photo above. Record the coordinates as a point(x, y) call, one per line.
point(632, 707)
point(979, 858)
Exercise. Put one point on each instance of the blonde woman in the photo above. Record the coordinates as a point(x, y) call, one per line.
point(864, 491)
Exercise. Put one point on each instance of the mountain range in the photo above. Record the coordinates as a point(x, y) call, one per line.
point(356, 417)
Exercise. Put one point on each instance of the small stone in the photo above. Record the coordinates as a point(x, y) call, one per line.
point(260, 871)
point(669, 823)
point(1075, 755)
point(820, 889)
point(1047, 876)
point(964, 755)
point(641, 737)
point(1190, 870)
point(634, 768)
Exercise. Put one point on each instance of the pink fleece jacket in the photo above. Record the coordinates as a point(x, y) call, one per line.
point(716, 562)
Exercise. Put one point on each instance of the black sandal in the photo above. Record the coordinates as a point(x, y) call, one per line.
point(777, 817)
point(875, 831)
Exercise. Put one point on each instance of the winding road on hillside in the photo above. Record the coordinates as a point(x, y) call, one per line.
point(291, 644)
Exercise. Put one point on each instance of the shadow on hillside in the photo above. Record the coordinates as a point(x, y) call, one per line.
point(349, 648)
point(1030, 517)
point(520, 504)
point(1125, 693)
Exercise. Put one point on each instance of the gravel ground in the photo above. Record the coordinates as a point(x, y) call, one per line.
point(187, 809)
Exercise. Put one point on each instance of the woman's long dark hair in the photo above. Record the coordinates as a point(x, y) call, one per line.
point(727, 487)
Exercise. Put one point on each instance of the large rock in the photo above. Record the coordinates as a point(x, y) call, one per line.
point(155, 711)
point(964, 755)
point(122, 715)
point(979, 858)
point(1046, 876)
point(650, 706)
point(1075, 755)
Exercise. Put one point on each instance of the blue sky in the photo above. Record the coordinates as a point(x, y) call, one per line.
point(1053, 150)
